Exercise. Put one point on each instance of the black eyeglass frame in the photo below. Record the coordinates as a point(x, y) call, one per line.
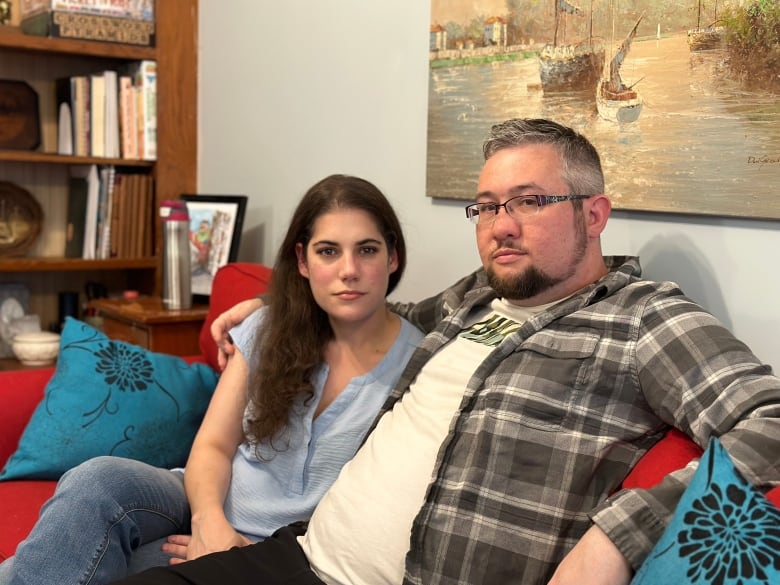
point(473, 210)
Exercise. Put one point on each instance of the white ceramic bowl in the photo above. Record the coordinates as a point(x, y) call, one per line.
point(37, 348)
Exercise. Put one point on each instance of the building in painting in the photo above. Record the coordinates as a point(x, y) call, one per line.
point(495, 31)
point(438, 40)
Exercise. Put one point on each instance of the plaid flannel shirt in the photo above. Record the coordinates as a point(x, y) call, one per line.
point(557, 415)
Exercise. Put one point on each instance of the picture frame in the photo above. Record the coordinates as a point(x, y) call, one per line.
point(215, 234)
point(705, 142)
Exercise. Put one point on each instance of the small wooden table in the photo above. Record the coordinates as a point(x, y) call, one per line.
point(144, 322)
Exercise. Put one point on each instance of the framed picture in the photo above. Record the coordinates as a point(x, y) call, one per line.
point(701, 135)
point(215, 233)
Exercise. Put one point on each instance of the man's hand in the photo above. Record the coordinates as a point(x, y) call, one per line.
point(225, 322)
point(594, 560)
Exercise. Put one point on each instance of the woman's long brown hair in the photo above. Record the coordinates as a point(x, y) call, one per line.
point(296, 330)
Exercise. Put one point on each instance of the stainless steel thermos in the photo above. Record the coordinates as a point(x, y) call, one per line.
point(176, 263)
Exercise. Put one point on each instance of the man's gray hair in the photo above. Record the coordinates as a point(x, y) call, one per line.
point(579, 158)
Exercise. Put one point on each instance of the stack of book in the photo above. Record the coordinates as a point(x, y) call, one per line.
point(109, 114)
point(109, 214)
point(113, 21)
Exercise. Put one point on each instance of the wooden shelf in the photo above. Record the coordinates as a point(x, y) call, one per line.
point(14, 364)
point(59, 159)
point(13, 39)
point(74, 264)
point(41, 61)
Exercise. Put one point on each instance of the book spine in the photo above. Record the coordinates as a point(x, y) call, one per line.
point(116, 206)
point(111, 135)
point(133, 9)
point(81, 115)
point(97, 115)
point(143, 9)
point(128, 118)
point(76, 215)
point(147, 82)
point(90, 229)
point(109, 29)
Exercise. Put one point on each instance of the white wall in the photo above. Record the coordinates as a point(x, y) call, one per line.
point(293, 90)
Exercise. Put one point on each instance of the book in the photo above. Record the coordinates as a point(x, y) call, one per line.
point(111, 134)
point(116, 205)
point(90, 227)
point(132, 9)
point(144, 76)
point(116, 21)
point(128, 118)
point(80, 112)
point(145, 216)
point(97, 115)
point(107, 175)
point(76, 215)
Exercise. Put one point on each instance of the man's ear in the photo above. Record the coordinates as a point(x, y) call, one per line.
point(301, 255)
point(597, 210)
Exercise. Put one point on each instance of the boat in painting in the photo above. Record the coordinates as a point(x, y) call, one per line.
point(570, 66)
point(708, 37)
point(616, 101)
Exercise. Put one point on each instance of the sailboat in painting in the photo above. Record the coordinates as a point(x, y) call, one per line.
point(570, 66)
point(615, 100)
point(709, 37)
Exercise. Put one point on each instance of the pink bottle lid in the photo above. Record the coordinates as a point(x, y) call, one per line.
point(174, 210)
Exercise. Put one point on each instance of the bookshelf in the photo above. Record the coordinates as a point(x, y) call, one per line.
point(40, 61)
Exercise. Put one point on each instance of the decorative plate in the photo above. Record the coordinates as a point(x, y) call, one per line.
point(20, 220)
point(20, 127)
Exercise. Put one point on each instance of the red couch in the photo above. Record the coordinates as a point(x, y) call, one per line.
point(20, 392)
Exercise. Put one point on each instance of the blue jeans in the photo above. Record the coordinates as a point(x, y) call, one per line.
point(107, 519)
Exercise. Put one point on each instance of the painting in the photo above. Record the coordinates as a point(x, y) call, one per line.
point(680, 98)
point(214, 235)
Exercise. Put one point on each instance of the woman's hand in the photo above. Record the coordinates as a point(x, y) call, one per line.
point(184, 547)
point(222, 325)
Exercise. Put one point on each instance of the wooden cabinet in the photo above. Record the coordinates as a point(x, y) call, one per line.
point(144, 322)
point(40, 61)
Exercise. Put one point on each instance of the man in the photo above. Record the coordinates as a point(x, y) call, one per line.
point(546, 375)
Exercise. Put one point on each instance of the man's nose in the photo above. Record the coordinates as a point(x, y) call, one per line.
point(504, 225)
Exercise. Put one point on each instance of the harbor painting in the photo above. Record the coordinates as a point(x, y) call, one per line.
point(680, 98)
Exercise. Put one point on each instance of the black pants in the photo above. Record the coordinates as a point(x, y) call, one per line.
point(278, 560)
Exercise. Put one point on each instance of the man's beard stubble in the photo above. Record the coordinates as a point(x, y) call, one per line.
point(534, 281)
point(525, 285)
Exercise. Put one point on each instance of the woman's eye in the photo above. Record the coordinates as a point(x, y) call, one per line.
point(326, 251)
point(369, 250)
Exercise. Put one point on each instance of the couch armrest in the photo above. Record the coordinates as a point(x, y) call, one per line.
point(20, 393)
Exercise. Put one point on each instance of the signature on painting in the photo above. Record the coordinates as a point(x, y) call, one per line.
point(763, 160)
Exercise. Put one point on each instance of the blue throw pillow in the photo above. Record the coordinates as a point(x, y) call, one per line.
point(112, 398)
point(723, 532)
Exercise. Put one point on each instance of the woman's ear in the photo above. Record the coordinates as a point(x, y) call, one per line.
point(301, 255)
point(393, 261)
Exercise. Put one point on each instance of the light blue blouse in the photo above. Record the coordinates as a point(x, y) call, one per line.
point(283, 486)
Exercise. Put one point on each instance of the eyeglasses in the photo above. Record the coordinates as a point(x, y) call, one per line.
point(517, 207)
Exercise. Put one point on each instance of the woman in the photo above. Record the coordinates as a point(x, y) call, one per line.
point(292, 406)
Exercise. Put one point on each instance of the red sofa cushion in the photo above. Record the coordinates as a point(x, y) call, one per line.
point(232, 283)
point(674, 451)
point(22, 501)
point(20, 393)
